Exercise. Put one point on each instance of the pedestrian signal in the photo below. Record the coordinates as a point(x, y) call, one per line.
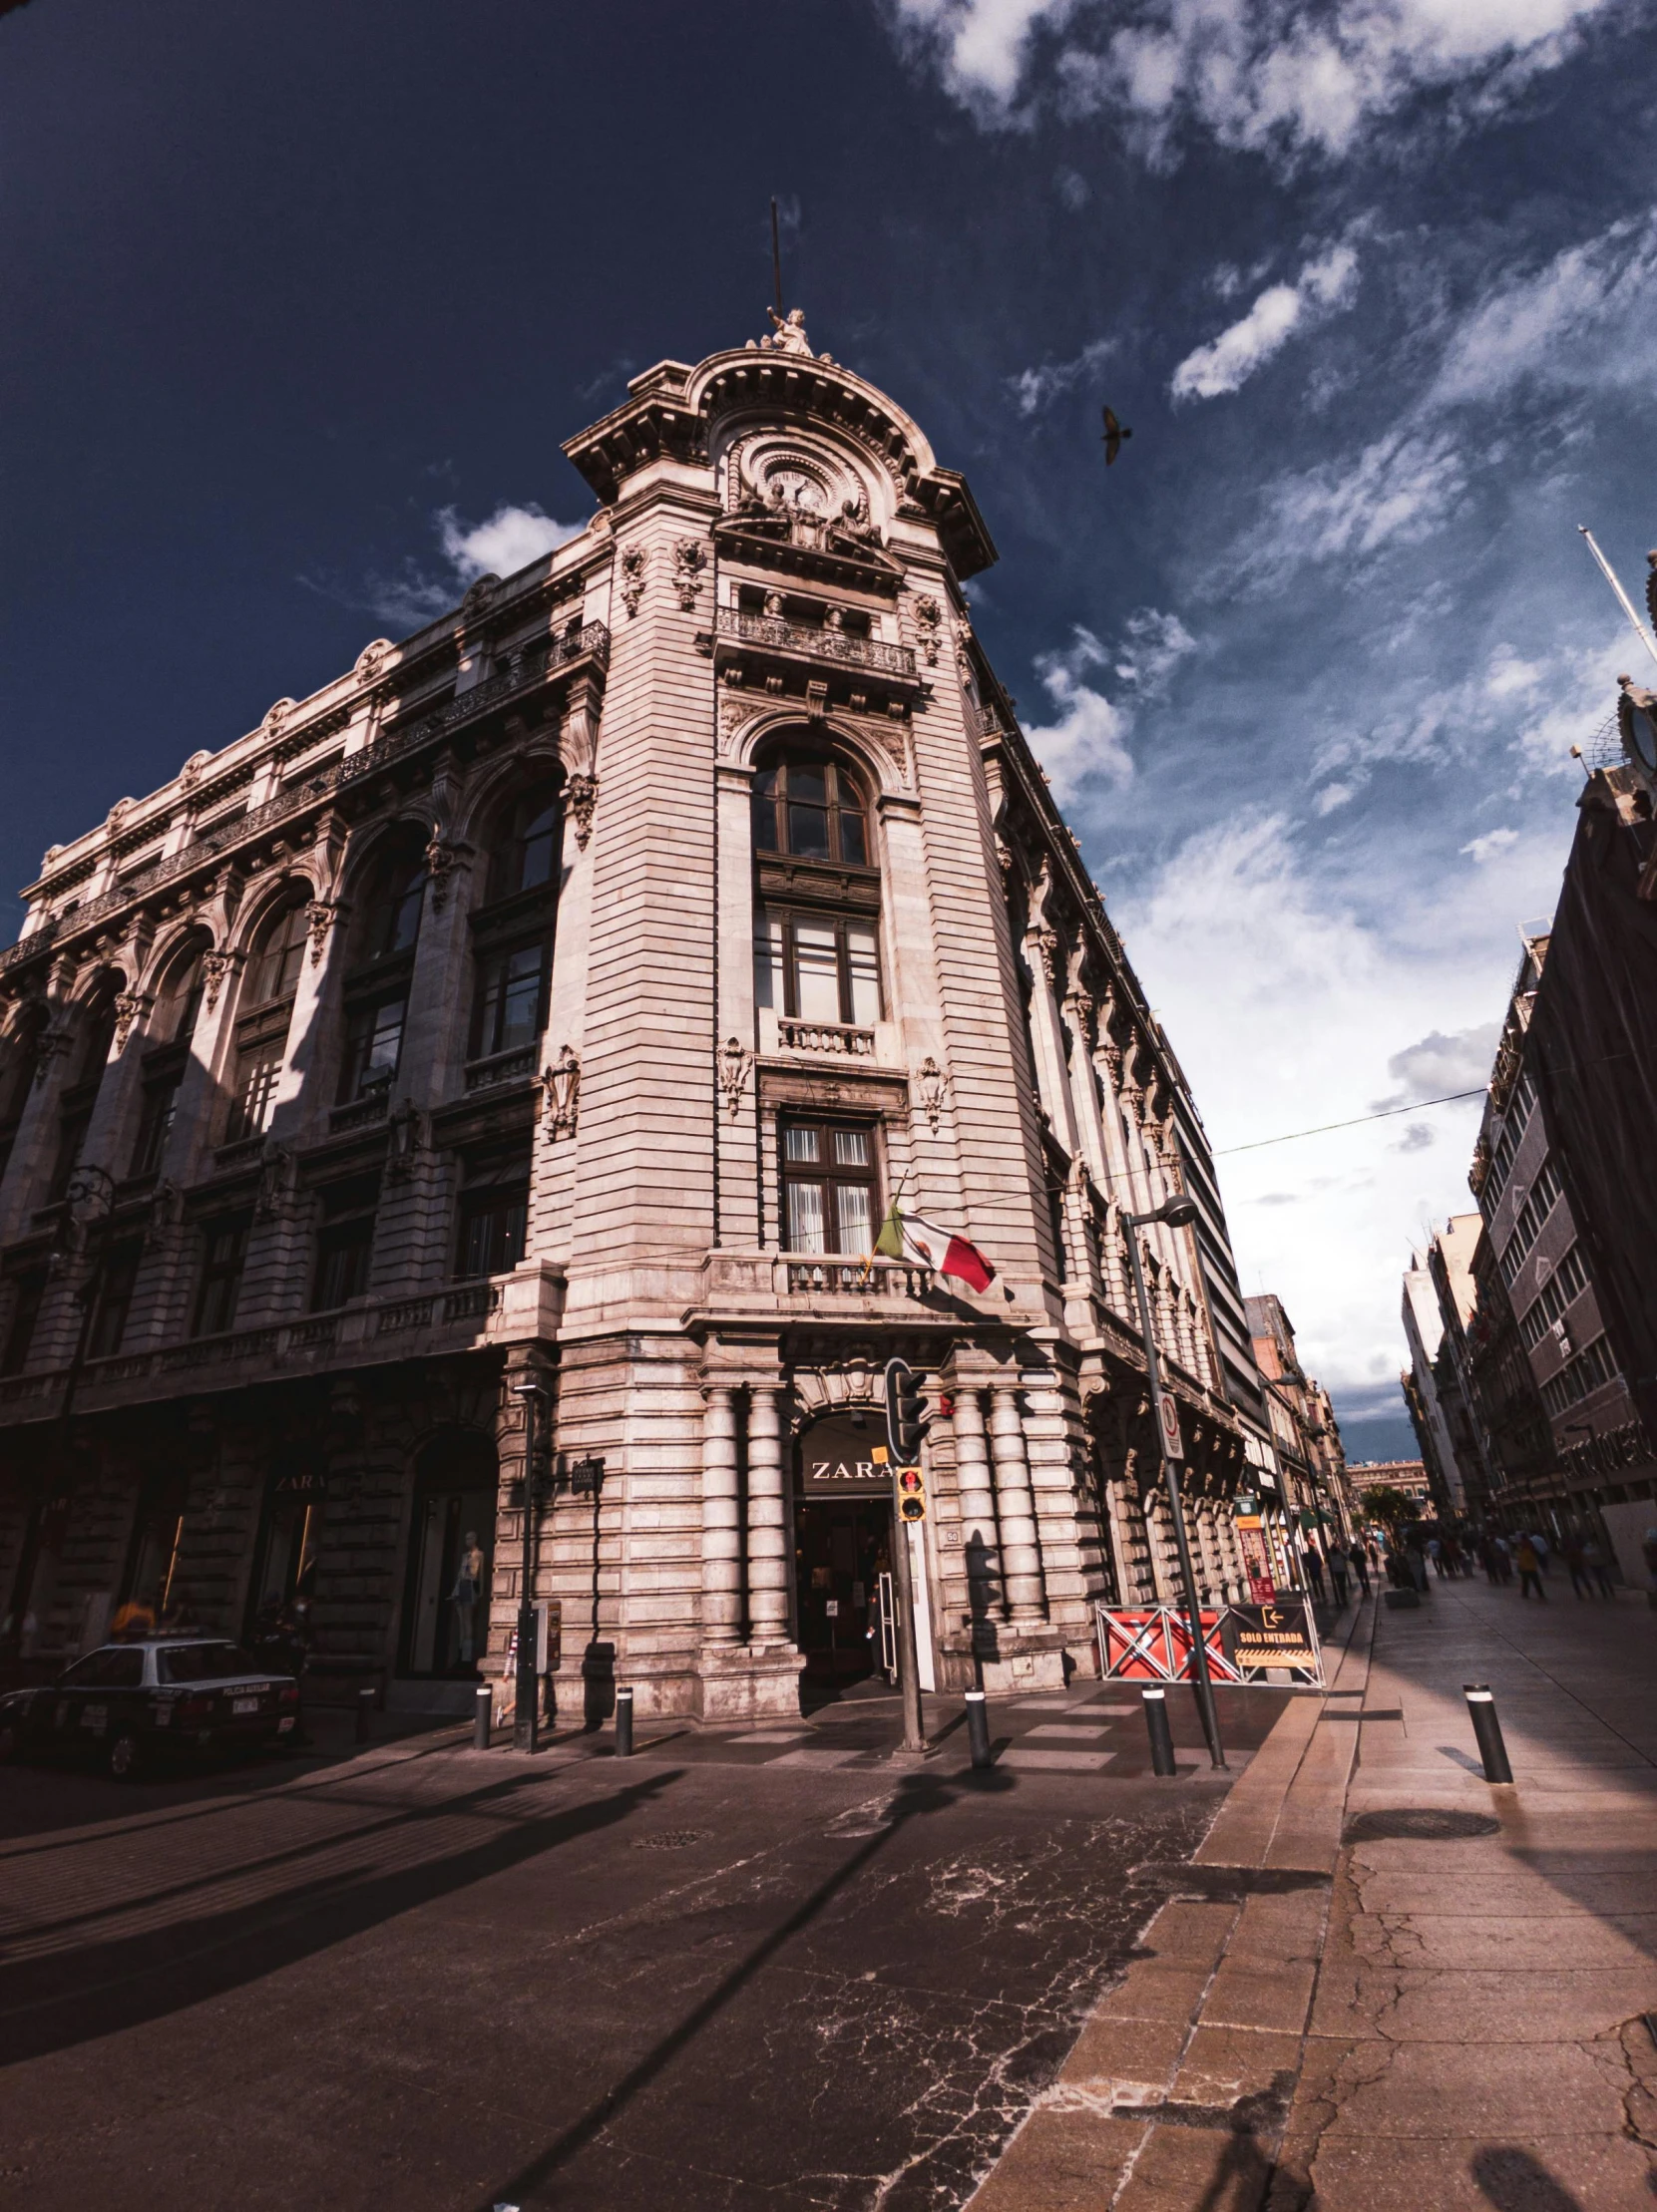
point(911, 1495)
point(905, 1413)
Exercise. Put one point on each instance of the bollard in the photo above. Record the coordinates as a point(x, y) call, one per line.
point(978, 1726)
point(1482, 1707)
point(624, 1723)
point(365, 1706)
point(1162, 1759)
point(481, 1715)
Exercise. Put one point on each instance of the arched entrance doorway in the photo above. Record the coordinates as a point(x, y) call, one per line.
point(451, 1558)
point(842, 1546)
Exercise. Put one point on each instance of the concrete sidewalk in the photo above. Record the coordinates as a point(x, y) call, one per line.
point(1445, 2009)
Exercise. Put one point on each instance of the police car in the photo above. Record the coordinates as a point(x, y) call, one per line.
point(128, 1705)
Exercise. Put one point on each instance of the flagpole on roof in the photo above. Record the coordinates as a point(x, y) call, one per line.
point(1623, 600)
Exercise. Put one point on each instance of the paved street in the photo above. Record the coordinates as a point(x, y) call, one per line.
point(1385, 1985)
point(757, 1968)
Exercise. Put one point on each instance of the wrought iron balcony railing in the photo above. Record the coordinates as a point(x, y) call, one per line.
point(840, 647)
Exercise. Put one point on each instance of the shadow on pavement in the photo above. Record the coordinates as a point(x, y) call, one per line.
point(59, 1999)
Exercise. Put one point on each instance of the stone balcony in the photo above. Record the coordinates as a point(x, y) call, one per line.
point(803, 640)
point(459, 1316)
point(761, 1286)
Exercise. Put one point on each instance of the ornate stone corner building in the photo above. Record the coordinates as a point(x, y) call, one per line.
point(562, 994)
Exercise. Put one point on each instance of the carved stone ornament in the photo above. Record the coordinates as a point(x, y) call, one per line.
point(479, 592)
point(562, 1083)
point(634, 560)
point(929, 619)
point(166, 1207)
point(320, 920)
point(53, 1043)
point(128, 1005)
point(275, 1190)
point(689, 568)
point(440, 860)
point(582, 795)
point(214, 967)
point(406, 1134)
point(119, 812)
point(1047, 946)
point(373, 659)
point(787, 333)
point(930, 1086)
point(276, 716)
point(190, 775)
point(735, 1060)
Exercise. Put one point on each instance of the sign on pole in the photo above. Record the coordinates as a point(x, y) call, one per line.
point(1167, 1420)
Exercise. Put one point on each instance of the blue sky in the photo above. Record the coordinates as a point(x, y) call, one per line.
point(302, 300)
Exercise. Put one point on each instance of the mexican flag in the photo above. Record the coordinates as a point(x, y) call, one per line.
point(908, 1237)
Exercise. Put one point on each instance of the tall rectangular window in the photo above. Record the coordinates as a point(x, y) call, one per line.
point(223, 1257)
point(828, 1179)
point(373, 1046)
point(817, 966)
point(257, 1073)
point(115, 1300)
point(28, 1294)
point(344, 1242)
point(155, 1124)
point(494, 1216)
point(509, 1000)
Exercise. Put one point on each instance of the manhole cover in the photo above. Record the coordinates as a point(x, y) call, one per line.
point(1418, 1824)
point(671, 1839)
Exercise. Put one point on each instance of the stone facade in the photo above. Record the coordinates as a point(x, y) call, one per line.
point(561, 995)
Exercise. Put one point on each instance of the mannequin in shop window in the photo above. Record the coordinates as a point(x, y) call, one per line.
point(464, 1596)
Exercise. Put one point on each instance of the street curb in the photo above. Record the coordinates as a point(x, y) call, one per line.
point(1181, 2084)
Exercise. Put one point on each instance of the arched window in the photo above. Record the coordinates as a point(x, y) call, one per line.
point(382, 965)
point(807, 805)
point(167, 1040)
point(279, 955)
point(816, 916)
point(528, 853)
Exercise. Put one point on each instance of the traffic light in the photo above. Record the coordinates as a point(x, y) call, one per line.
point(906, 1414)
point(911, 1495)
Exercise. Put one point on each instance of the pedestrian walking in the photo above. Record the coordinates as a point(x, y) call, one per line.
point(1595, 1561)
point(1436, 1553)
point(1504, 1559)
point(1578, 1568)
point(1541, 1547)
point(1529, 1566)
point(1338, 1571)
point(1314, 1569)
point(1361, 1568)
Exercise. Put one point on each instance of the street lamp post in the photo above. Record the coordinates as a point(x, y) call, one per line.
point(526, 1719)
point(1177, 1213)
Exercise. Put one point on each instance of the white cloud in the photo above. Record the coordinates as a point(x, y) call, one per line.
point(1438, 1066)
point(508, 540)
point(1323, 287)
point(1289, 1009)
point(1586, 319)
point(1273, 75)
point(1035, 389)
point(1398, 490)
point(1485, 848)
point(512, 537)
point(1089, 736)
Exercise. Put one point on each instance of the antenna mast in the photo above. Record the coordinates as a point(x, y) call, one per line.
point(1606, 570)
point(776, 262)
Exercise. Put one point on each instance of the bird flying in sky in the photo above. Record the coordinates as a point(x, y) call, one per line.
point(1113, 436)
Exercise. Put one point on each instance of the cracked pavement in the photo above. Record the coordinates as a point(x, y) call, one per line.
point(432, 1978)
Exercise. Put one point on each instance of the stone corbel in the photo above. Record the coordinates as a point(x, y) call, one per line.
point(442, 859)
point(577, 737)
point(581, 796)
point(53, 1045)
point(689, 568)
point(215, 966)
point(130, 1005)
point(930, 1088)
point(562, 1083)
point(735, 1060)
point(320, 920)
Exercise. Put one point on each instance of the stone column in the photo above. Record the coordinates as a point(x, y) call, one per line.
point(978, 1508)
point(721, 1540)
point(1020, 1551)
point(767, 1525)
